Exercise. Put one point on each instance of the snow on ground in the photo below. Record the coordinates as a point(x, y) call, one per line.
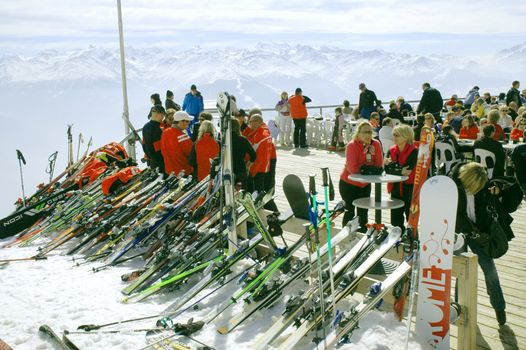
point(59, 293)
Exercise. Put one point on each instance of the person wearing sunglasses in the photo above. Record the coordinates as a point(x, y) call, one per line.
point(518, 131)
point(362, 150)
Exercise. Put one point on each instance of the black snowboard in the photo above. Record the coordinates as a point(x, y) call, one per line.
point(296, 196)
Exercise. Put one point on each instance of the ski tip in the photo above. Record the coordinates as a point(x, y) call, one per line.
point(43, 328)
point(222, 330)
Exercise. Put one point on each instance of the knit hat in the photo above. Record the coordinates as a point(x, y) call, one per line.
point(298, 90)
point(193, 87)
point(169, 93)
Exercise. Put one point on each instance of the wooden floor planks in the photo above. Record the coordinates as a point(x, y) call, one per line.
point(511, 267)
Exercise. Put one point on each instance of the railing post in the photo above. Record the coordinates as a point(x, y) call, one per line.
point(465, 268)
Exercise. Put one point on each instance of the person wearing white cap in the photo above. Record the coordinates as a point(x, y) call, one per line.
point(176, 145)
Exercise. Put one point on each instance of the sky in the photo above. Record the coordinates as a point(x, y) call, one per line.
point(412, 26)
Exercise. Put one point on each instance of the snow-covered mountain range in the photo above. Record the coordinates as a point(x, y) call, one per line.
point(41, 94)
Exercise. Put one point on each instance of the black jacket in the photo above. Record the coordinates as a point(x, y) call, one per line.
point(513, 95)
point(151, 134)
point(367, 99)
point(171, 104)
point(482, 198)
point(240, 148)
point(431, 102)
point(491, 145)
point(394, 114)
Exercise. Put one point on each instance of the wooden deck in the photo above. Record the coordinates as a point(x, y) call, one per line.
point(511, 267)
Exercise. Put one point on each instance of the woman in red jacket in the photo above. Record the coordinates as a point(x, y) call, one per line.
point(469, 129)
point(204, 150)
point(362, 150)
point(405, 153)
point(518, 131)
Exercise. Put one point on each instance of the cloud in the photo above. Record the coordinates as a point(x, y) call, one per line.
point(33, 18)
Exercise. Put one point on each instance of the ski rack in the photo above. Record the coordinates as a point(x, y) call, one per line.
point(465, 269)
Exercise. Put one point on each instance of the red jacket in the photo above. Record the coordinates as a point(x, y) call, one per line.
point(516, 134)
point(401, 158)
point(357, 155)
point(206, 149)
point(261, 141)
point(471, 133)
point(298, 109)
point(499, 133)
point(176, 147)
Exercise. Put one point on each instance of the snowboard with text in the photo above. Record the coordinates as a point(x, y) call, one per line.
point(438, 208)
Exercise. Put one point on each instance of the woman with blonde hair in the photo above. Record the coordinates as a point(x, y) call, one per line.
point(362, 150)
point(284, 120)
point(204, 150)
point(405, 154)
point(493, 118)
point(475, 194)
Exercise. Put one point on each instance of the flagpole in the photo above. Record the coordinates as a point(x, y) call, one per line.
point(130, 145)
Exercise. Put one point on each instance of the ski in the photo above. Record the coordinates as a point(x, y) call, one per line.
point(341, 333)
point(268, 300)
point(295, 310)
point(45, 329)
point(352, 278)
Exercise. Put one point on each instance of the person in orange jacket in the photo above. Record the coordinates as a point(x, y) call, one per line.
point(176, 145)
point(298, 112)
point(270, 175)
point(204, 150)
point(259, 136)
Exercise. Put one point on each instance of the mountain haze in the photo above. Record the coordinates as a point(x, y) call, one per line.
point(43, 93)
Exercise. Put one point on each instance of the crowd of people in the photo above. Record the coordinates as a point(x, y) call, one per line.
point(183, 140)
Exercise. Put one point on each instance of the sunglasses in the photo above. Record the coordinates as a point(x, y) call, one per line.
point(366, 132)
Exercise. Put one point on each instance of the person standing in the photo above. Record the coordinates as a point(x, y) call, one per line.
point(431, 102)
point(204, 150)
point(514, 94)
point(298, 112)
point(193, 104)
point(405, 154)
point(285, 120)
point(155, 99)
point(170, 103)
point(472, 95)
point(367, 102)
point(337, 143)
point(243, 155)
point(362, 150)
point(474, 195)
point(176, 145)
point(151, 134)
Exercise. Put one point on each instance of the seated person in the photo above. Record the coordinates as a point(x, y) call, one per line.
point(488, 143)
point(394, 113)
point(518, 131)
point(448, 136)
point(469, 129)
point(493, 118)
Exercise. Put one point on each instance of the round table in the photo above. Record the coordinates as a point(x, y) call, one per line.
point(377, 203)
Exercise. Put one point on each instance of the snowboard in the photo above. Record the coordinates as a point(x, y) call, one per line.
point(296, 196)
point(438, 201)
point(425, 151)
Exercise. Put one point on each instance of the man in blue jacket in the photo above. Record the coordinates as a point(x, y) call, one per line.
point(193, 104)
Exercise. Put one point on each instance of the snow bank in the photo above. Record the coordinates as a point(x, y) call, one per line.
point(59, 293)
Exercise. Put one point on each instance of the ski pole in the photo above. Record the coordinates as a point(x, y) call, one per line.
point(314, 221)
point(70, 146)
point(21, 160)
point(81, 140)
point(325, 179)
point(51, 166)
